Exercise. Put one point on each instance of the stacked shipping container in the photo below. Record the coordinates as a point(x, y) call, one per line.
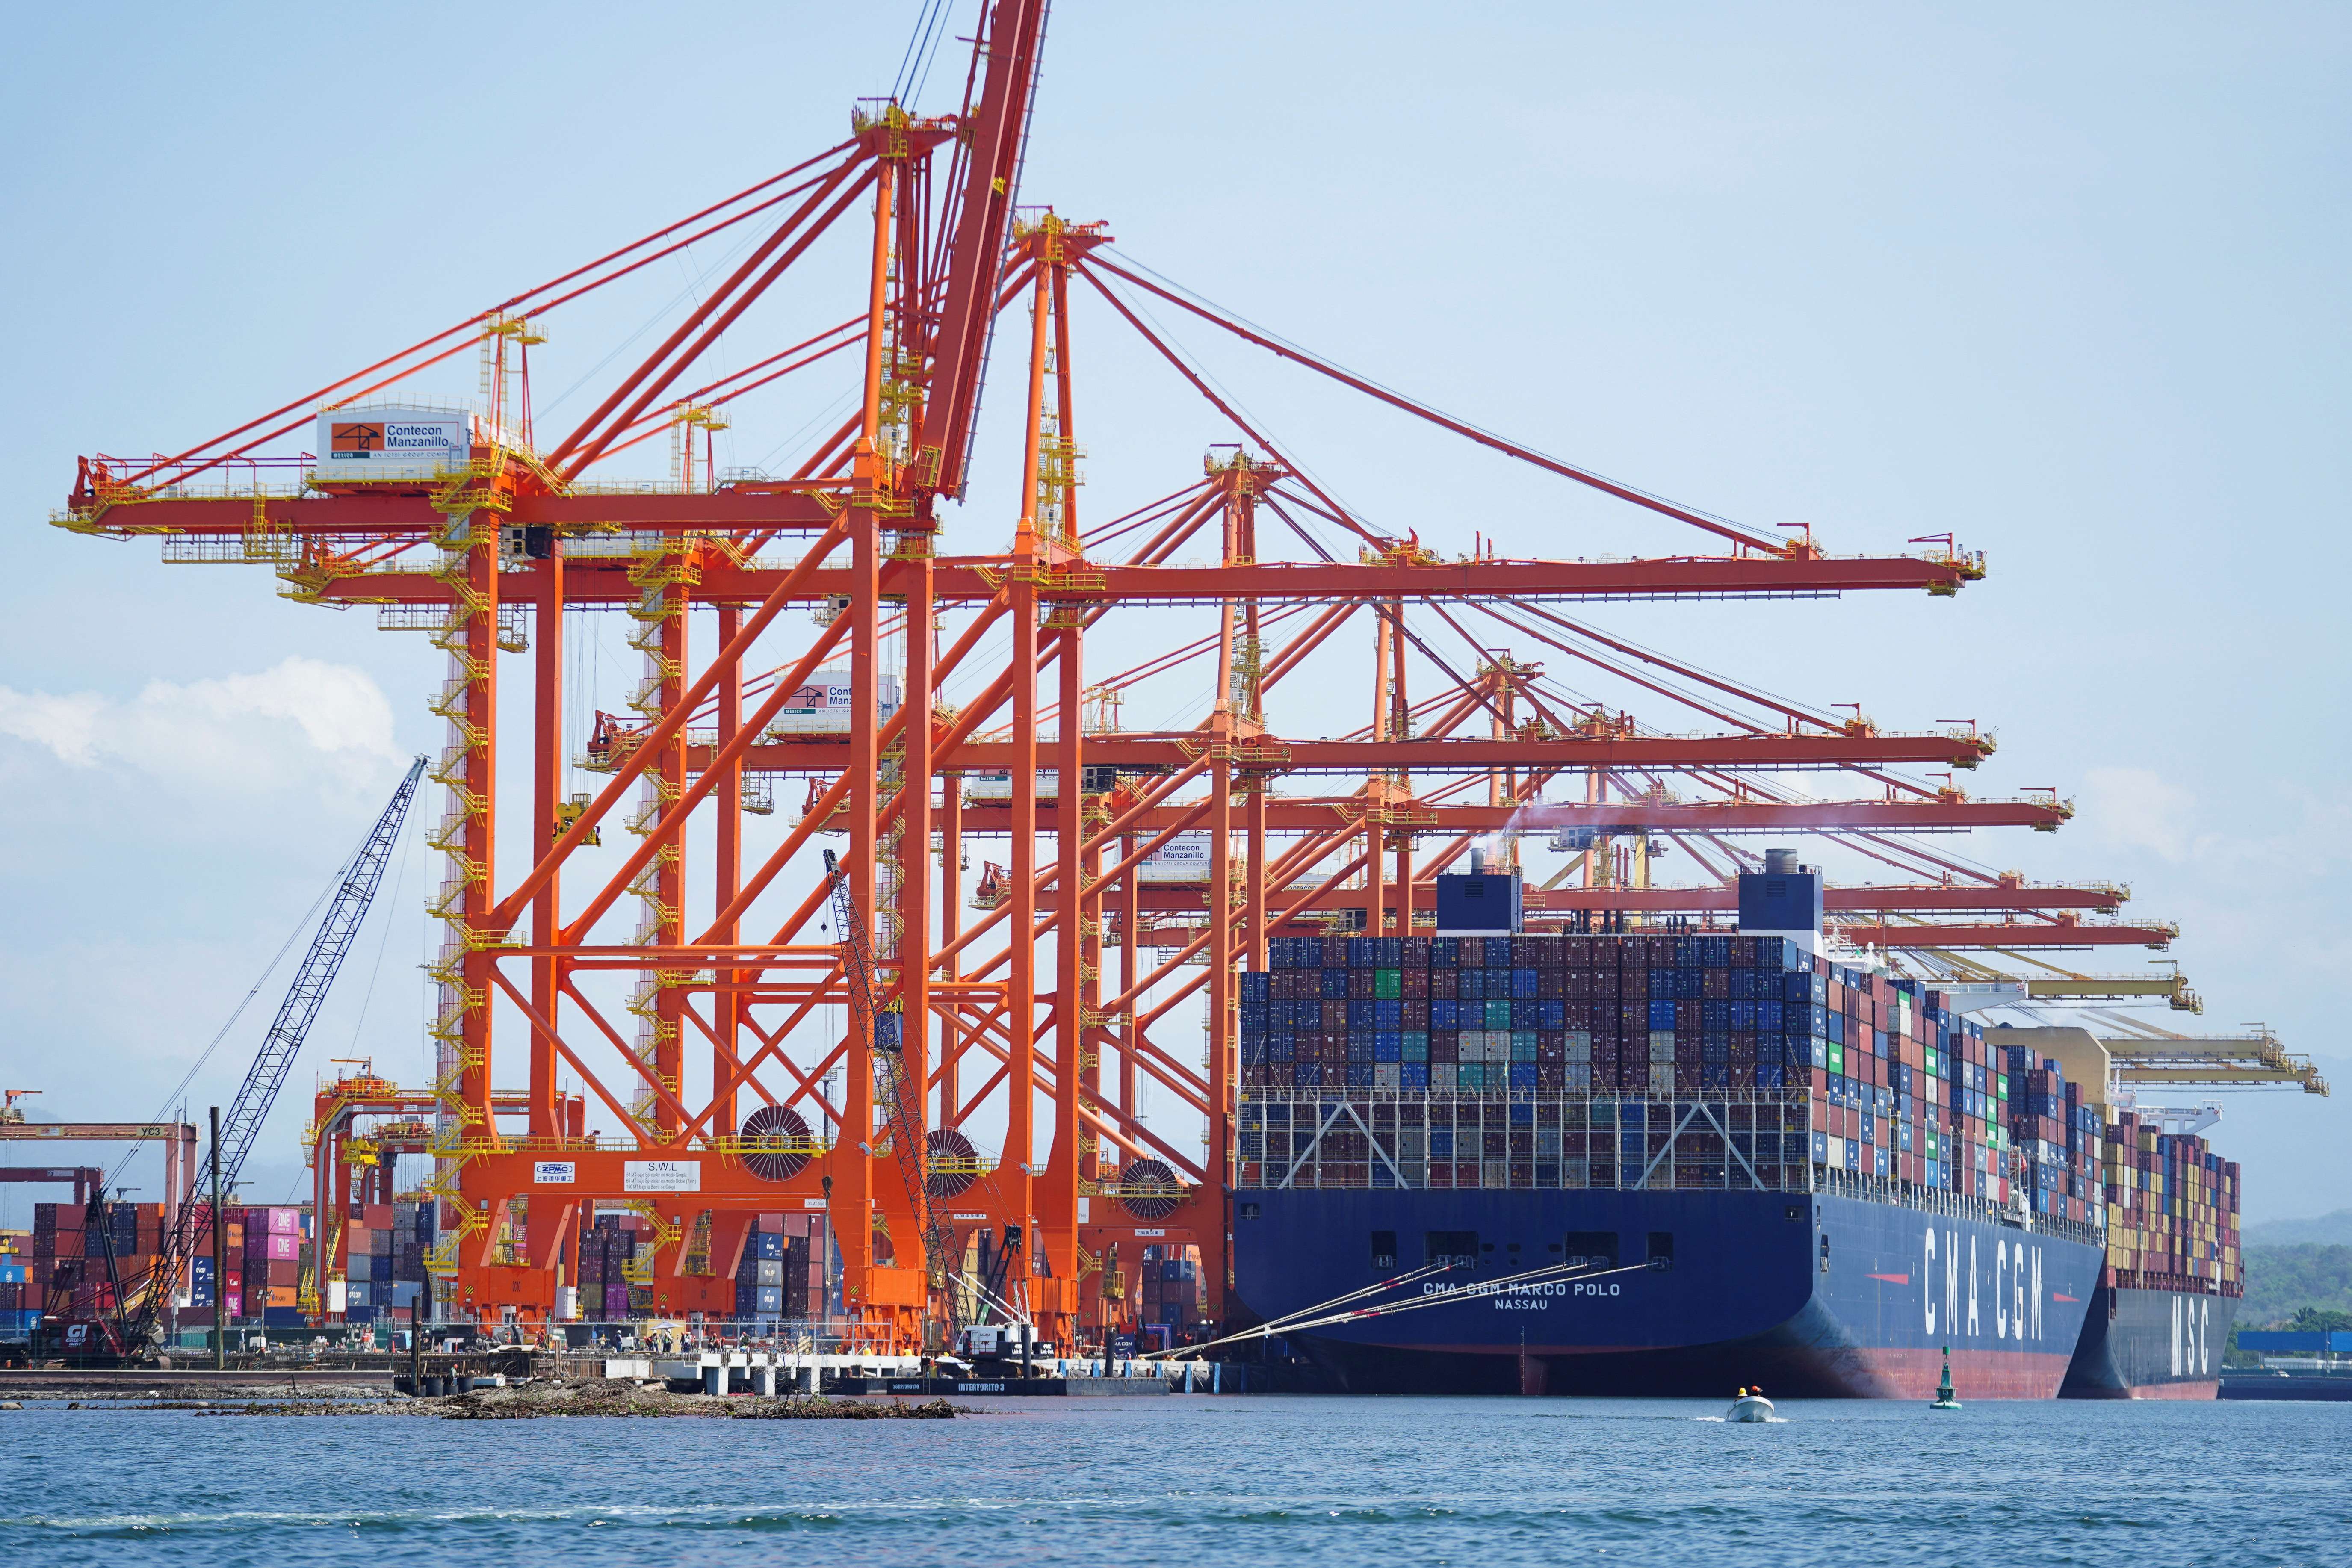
point(2054, 1129)
point(68, 1266)
point(267, 1273)
point(1610, 1061)
point(772, 1282)
point(266, 1250)
point(2172, 1211)
point(1174, 1294)
point(617, 1246)
point(20, 1312)
point(383, 1260)
point(780, 1276)
point(1495, 1014)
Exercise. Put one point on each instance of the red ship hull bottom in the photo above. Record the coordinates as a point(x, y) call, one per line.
point(1903, 1373)
point(2211, 1389)
point(1781, 1370)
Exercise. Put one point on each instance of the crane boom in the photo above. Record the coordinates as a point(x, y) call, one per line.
point(241, 1128)
point(998, 133)
point(2247, 1061)
point(884, 1033)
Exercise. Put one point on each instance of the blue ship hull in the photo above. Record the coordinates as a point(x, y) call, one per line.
point(1806, 1294)
point(2151, 1344)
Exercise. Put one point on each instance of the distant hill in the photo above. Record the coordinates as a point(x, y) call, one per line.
point(2327, 1230)
point(2284, 1280)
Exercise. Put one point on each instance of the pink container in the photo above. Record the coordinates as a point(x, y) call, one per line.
point(284, 1222)
point(285, 1248)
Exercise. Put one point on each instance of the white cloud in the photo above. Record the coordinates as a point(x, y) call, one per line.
point(2139, 809)
point(65, 725)
point(272, 728)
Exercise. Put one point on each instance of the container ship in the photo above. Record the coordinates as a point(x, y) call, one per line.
point(2157, 1327)
point(1673, 1164)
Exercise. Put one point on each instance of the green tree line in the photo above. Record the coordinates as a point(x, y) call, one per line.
point(2307, 1287)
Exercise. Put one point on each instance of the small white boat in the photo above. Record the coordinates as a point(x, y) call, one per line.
point(1750, 1407)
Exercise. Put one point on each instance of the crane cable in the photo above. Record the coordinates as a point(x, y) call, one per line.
point(1290, 1321)
point(922, 47)
point(180, 1089)
point(330, 944)
point(991, 1298)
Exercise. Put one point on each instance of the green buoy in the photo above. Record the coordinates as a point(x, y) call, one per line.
point(1944, 1400)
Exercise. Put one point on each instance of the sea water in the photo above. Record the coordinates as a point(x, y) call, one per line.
point(1203, 1479)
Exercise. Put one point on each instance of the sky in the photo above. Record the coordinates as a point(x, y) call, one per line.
point(2063, 283)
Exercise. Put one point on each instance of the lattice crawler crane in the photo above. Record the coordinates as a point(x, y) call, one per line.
point(138, 1304)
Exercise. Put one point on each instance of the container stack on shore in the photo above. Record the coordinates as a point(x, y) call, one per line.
point(1174, 1296)
point(1577, 1060)
point(265, 1249)
point(385, 1248)
point(20, 1298)
point(609, 1254)
point(771, 1282)
point(2172, 1211)
point(67, 1267)
point(777, 1276)
point(806, 1254)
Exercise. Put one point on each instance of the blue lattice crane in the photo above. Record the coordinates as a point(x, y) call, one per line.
point(141, 1302)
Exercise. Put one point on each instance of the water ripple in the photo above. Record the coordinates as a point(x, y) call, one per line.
point(1233, 1482)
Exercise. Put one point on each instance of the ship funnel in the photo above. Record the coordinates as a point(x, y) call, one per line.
point(1478, 903)
point(1784, 900)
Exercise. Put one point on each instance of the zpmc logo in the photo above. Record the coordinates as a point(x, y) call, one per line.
point(355, 440)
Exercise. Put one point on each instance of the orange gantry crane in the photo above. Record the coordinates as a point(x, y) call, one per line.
point(807, 627)
point(361, 1123)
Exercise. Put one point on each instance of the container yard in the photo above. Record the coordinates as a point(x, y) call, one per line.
point(1247, 1023)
